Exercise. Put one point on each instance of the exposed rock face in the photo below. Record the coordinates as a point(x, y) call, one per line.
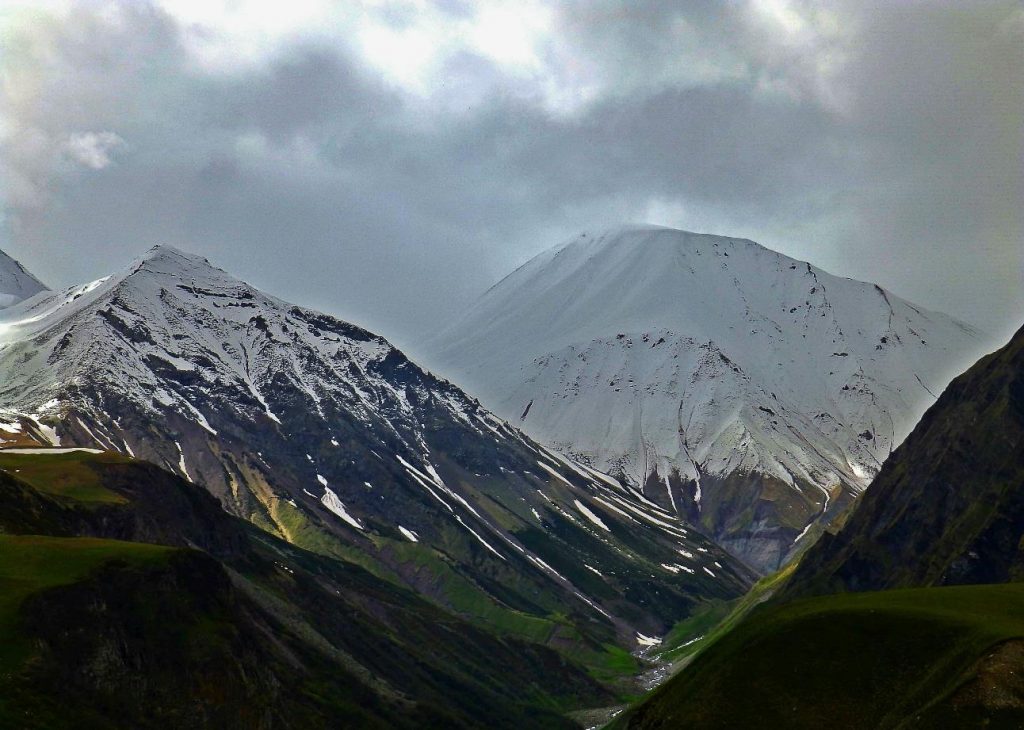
point(948, 506)
point(751, 393)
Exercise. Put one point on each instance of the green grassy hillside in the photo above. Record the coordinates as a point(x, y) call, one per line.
point(32, 563)
point(64, 475)
point(129, 598)
point(934, 657)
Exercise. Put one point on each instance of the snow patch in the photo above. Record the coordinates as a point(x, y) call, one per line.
point(181, 462)
point(331, 501)
point(66, 450)
point(646, 640)
point(590, 515)
point(554, 473)
point(477, 536)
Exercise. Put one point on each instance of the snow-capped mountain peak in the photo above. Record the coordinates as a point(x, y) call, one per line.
point(171, 261)
point(16, 283)
point(750, 392)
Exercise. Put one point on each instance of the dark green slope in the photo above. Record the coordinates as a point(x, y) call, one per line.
point(948, 506)
point(141, 636)
point(229, 626)
point(928, 658)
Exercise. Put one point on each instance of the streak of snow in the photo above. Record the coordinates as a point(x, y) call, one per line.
point(181, 462)
point(331, 501)
point(590, 515)
point(554, 473)
point(671, 498)
point(65, 450)
point(477, 536)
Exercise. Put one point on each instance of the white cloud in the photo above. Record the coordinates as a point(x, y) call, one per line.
point(93, 149)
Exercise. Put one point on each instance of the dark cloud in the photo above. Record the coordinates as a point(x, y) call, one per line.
point(882, 142)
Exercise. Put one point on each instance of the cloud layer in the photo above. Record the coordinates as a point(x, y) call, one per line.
point(386, 161)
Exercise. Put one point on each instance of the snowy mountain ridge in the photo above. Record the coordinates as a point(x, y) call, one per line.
point(751, 393)
point(325, 434)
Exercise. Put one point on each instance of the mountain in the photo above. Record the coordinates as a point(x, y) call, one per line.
point(132, 600)
point(948, 506)
point(924, 627)
point(328, 437)
point(751, 394)
point(16, 284)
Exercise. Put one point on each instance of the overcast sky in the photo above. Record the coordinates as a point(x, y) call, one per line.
point(388, 160)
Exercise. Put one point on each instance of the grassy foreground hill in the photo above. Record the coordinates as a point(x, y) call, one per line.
point(128, 598)
point(933, 657)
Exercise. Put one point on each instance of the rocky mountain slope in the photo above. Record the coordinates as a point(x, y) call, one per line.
point(16, 284)
point(325, 435)
point(752, 394)
point(948, 505)
point(132, 600)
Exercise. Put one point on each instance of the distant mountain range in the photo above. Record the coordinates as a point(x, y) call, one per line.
point(751, 394)
point(327, 530)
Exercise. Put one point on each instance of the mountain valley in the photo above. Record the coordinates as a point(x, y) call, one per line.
point(204, 486)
